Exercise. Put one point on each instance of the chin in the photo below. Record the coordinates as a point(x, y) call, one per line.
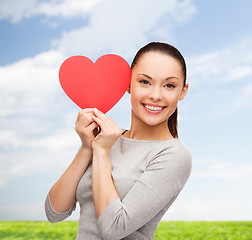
point(153, 123)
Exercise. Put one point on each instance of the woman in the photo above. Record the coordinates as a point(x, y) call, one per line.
point(126, 180)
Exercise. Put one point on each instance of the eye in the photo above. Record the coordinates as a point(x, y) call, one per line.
point(144, 82)
point(169, 85)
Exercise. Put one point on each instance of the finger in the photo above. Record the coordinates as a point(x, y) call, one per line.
point(113, 124)
point(102, 124)
point(108, 122)
point(84, 111)
point(87, 109)
point(101, 116)
point(98, 121)
point(92, 126)
point(80, 128)
point(84, 118)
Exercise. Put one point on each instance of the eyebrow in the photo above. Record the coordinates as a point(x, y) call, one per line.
point(151, 77)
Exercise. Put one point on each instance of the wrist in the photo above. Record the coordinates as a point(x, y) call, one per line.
point(101, 159)
point(101, 152)
point(86, 150)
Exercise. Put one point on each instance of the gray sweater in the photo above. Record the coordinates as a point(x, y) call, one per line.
point(148, 176)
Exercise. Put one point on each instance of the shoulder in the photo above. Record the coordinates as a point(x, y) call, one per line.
point(173, 153)
point(174, 148)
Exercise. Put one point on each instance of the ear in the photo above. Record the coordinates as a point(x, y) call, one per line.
point(184, 92)
point(128, 90)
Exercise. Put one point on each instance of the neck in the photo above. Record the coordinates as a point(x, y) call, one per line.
point(141, 131)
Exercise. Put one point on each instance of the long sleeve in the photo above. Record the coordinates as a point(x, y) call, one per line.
point(158, 186)
point(54, 216)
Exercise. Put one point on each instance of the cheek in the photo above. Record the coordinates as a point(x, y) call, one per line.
point(137, 94)
point(172, 97)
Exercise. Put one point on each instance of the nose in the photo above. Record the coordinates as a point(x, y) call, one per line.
point(156, 94)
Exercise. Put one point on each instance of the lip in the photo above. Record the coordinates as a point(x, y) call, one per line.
point(153, 111)
point(154, 105)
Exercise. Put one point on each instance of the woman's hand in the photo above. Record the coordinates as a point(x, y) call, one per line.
point(86, 127)
point(109, 133)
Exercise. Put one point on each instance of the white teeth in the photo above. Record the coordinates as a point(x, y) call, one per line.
point(153, 108)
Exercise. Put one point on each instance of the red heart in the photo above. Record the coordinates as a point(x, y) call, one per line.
point(100, 84)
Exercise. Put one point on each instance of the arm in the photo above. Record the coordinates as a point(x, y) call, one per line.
point(103, 187)
point(60, 201)
point(154, 191)
point(62, 195)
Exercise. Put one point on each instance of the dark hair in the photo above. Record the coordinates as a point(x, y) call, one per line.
point(167, 49)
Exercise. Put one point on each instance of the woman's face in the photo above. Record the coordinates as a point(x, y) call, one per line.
point(157, 84)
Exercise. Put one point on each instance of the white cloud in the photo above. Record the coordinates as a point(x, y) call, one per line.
point(26, 85)
point(29, 211)
point(59, 139)
point(224, 171)
point(217, 208)
point(19, 10)
point(66, 8)
point(1, 182)
point(121, 27)
point(34, 117)
point(220, 82)
point(64, 139)
point(224, 66)
point(38, 155)
point(244, 98)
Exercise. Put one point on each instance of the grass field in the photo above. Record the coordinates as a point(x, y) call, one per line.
point(170, 230)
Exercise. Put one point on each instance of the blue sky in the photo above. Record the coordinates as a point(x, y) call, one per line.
point(37, 138)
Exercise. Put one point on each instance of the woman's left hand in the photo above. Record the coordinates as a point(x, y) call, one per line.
point(109, 132)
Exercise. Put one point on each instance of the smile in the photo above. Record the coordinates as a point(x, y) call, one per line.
point(153, 108)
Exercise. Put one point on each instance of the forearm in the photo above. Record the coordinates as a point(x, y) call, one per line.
point(103, 187)
point(62, 194)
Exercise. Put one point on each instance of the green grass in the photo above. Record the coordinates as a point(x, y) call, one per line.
point(38, 230)
point(204, 230)
point(170, 230)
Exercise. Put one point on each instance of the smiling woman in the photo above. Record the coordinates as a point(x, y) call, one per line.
point(125, 181)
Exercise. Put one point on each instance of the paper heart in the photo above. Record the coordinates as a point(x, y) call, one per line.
point(100, 84)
